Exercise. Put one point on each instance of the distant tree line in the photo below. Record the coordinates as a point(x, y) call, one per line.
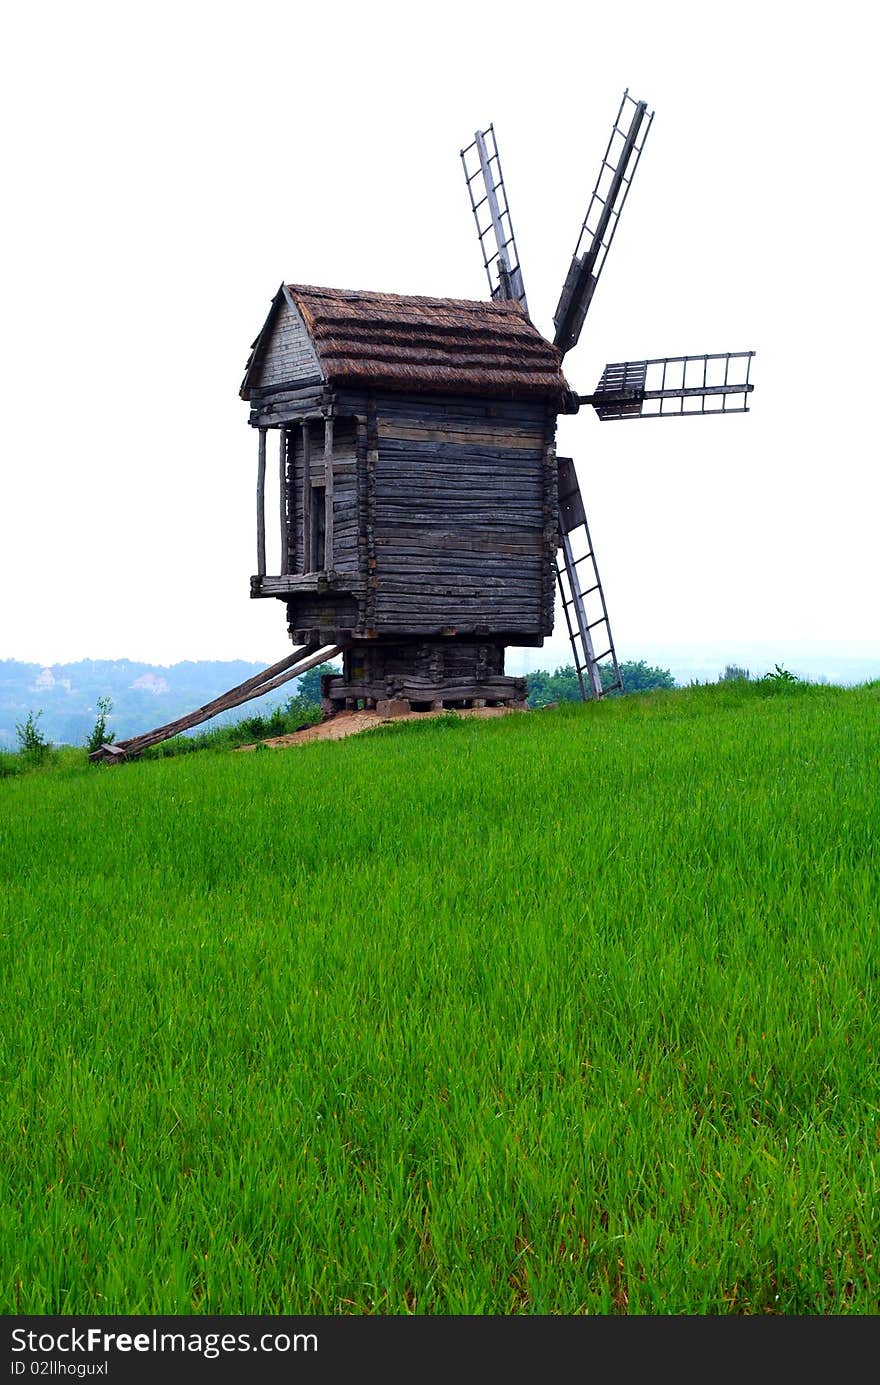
point(562, 684)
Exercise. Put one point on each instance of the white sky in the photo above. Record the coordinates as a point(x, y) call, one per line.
point(167, 165)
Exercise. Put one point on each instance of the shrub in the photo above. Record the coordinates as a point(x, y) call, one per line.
point(308, 685)
point(781, 677)
point(99, 734)
point(32, 742)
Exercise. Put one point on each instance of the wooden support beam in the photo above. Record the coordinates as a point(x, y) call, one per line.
point(328, 494)
point(302, 666)
point(306, 500)
point(291, 667)
point(261, 505)
point(282, 498)
point(251, 687)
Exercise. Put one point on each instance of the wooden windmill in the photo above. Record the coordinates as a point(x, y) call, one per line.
point(425, 519)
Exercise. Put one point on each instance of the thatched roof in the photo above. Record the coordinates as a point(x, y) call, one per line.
point(437, 345)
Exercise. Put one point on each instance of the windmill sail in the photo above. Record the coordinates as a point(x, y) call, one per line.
point(674, 387)
point(616, 173)
point(485, 185)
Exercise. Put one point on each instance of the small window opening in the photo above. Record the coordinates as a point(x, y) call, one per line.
point(317, 519)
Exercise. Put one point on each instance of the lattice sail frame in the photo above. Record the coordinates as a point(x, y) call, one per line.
point(611, 164)
point(674, 387)
point(482, 170)
point(616, 172)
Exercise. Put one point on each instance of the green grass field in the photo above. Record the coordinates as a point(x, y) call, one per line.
point(571, 1012)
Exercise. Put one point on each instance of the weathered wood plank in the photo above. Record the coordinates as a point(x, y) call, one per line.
point(314, 384)
point(448, 437)
point(297, 584)
point(410, 544)
point(288, 350)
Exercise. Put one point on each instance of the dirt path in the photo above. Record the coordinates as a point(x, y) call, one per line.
point(351, 723)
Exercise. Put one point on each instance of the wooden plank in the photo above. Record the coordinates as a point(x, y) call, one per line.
point(467, 538)
point(444, 405)
point(450, 455)
point(312, 385)
point(397, 432)
point(278, 412)
point(425, 494)
point(297, 584)
point(525, 632)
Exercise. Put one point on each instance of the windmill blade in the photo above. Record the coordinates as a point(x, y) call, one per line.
point(616, 173)
point(674, 387)
point(485, 185)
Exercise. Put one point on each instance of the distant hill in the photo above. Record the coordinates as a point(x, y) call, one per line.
point(146, 695)
point(143, 695)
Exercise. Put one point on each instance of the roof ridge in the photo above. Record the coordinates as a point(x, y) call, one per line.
point(500, 305)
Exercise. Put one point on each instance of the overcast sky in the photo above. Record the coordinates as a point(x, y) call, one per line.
point(168, 165)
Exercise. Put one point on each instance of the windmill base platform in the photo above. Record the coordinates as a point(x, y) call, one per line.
point(421, 676)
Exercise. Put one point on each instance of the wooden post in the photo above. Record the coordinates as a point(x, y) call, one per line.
point(328, 494)
point(307, 500)
point(261, 505)
point(282, 496)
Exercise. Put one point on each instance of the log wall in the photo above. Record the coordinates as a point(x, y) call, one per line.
point(459, 515)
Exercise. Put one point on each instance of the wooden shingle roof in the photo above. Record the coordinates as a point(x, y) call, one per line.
point(445, 345)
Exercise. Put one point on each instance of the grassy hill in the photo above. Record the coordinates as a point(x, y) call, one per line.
point(566, 1012)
